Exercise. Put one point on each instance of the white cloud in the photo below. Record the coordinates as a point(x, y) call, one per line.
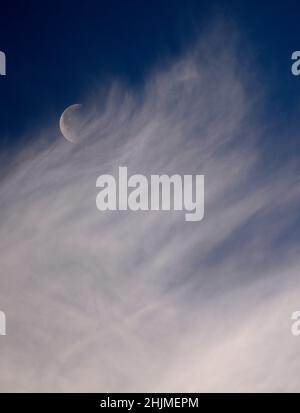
point(123, 301)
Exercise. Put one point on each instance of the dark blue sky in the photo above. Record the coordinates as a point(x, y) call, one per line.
point(57, 51)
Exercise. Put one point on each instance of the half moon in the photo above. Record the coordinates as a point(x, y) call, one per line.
point(71, 123)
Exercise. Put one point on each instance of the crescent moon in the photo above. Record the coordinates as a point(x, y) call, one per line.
point(71, 123)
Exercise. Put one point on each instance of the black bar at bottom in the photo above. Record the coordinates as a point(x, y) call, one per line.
point(143, 401)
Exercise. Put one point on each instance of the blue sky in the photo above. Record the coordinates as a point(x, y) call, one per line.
point(58, 51)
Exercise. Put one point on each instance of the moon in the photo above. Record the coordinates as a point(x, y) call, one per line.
point(72, 123)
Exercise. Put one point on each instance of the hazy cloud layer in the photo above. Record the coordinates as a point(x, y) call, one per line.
point(123, 301)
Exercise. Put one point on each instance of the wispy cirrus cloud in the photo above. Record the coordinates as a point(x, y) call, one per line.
point(132, 301)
